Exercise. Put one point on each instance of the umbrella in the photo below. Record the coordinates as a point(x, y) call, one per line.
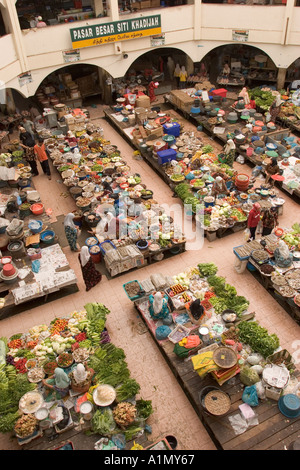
point(278, 177)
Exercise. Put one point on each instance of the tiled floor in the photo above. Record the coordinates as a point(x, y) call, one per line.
point(173, 412)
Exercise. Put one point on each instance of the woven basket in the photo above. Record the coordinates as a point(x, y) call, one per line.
point(217, 402)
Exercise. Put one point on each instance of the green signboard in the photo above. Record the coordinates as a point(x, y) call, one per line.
point(122, 30)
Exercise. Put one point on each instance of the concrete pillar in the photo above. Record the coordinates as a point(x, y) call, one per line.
point(12, 19)
point(197, 19)
point(281, 78)
point(113, 10)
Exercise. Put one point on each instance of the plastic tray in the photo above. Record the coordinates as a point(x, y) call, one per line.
point(135, 297)
point(103, 243)
point(242, 258)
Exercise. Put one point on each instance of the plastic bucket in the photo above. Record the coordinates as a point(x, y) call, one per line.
point(249, 151)
point(96, 257)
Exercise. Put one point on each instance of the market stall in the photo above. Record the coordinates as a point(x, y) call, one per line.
point(67, 381)
point(241, 383)
point(130, 227)
point(275, 260)
point(191, 168)
point(33, 265)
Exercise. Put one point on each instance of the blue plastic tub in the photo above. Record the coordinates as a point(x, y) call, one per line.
point(165, 156)
point(48, 236)
point(91, 241)
point(135, 296)
point(35, 230)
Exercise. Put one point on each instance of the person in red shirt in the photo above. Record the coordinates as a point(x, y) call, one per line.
point(40, 152)
point(253, 219)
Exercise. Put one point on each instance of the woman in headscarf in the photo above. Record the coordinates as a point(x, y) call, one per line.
point(275, 107)
point(71, 231)
point(219, 187)
point(245, 95)
point(229, 152)
point(272, 169)
point(253, 219)
point(90, 274)
point(28, 143)
point(58, 384)
point(269, 221)
point(158, 308)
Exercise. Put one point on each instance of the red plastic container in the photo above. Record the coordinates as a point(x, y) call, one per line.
point(242, 181)
point(8, 270)
point(220, 92)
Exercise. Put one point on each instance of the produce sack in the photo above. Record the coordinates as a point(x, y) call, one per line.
point(250, 396)
point(249, 376)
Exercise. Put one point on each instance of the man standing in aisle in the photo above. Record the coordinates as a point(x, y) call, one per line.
point(29, 126)
point(40, 152)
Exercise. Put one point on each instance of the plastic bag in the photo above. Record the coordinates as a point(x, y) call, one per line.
point(240, 159)
point(35, 265)
point(249, 376)
point(250, 396)
point(246, 234)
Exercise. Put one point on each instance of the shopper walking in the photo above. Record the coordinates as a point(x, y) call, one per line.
point(40, 152)
point(271, 170)
point(90, 274)
point(28, 143)
point(253, 219)
point(71, 231)
point(28, 126)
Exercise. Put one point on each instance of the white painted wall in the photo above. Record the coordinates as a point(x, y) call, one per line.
point(195, 35)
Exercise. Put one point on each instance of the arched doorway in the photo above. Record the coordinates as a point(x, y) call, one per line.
point(157, 64)
point(76, 85)
point(248, 65)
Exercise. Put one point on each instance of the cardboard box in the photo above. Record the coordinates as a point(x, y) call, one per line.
point(75, 94)
point(143, 101)
point(158, 132)
point(155, 3)
point(67, 77)
point(145, 4)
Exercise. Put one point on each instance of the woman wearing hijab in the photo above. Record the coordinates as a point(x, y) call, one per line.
point(269, 221)
point(28, 143)
point(71, 231)
point(275, 107)
point(158, 307)
point(219, 187)
point(272, 169)
point(229, 152)
point(90, 274)
point(253, 219)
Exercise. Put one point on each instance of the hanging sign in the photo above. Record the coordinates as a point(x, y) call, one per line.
point(25, 78)
point(71, 56)
point(106, 33)
point(240, 35)
point(158, 40)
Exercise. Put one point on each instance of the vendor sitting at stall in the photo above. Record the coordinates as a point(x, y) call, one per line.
point(158, 308)
point(282, 255)
point(271, 170)
point(226, 69)
point(219, 187)
point(228, 154)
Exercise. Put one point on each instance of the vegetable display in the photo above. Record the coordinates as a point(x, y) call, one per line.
point(84, 332)
point(258, 338)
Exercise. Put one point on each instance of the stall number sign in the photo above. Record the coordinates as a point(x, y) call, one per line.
point(107, 33)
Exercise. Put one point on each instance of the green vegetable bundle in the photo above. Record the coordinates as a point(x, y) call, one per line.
point(102, 422)
point(226, 296)
point(128, 389)
point(207, 269)
point(258, 338)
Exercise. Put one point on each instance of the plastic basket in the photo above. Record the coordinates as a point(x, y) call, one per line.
point(242, 258)
point(282, 357)
point(135, 297)
point(102, 246)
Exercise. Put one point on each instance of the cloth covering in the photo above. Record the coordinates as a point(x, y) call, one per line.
point(204, 363)
point(84, 255)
